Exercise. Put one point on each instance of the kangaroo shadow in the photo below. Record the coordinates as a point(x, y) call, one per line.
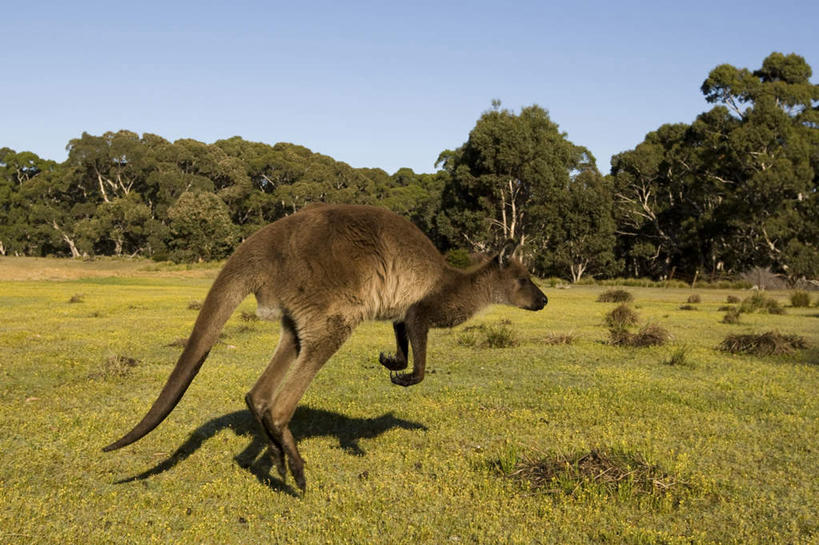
point(307, 422)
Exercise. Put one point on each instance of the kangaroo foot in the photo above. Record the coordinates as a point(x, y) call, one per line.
point(275, 447)
point(392, 362)
point(405, 379)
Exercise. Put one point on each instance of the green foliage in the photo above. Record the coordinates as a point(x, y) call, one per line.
point(734, 189)
point(201, 228)
point(679, 357)
point(458, 258)
point(621, 317)
point(732, 316)
point(759, 302)
point(615, 296)
point(800, 298)
point(499, 335)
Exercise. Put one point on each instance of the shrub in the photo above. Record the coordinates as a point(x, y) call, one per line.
point(726, 308)
point(195, 305)
point(694, 298)
point(500, 336)
point(621, 317)
point(800, 298)
point(733, 299)
point(649, 335)
point(763, 344)
point(488, 336)
point(732, 316)
point(77, 298)
point(459, 258)
point(758, 302)
point(615, 296)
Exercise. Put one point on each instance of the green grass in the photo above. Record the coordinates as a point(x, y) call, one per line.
point(426, 464)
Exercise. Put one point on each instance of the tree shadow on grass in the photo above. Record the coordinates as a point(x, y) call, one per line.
point(307, 422)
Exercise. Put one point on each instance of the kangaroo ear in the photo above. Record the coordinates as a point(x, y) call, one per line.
point(506, 251)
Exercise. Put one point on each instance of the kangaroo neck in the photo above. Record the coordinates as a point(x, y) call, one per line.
point(461, 295)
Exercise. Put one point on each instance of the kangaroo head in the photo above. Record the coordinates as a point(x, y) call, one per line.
point(515, 285)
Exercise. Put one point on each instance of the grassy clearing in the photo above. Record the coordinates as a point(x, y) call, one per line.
point(735, 433)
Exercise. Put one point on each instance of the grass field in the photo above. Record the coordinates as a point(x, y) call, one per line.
point(729, 442)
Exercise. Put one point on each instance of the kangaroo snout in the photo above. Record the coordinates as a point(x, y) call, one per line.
point(540, 301)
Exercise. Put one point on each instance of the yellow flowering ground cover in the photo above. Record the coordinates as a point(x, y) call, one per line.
point(539, 442)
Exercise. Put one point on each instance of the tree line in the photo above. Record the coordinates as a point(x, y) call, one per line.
point(733, 190)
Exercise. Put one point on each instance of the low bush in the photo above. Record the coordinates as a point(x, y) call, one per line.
point(694, 298)
point(615, 296)
point(649, 335)
point(733, 299)
point(621, 317)
point(499, 335)
point(732, 316)
point(759, 302)
point(800, 298)
point(763, 344)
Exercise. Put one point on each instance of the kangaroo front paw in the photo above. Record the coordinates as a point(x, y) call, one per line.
point(405, 379)
point(392, 362)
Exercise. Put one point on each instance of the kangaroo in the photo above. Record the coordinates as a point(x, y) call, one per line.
point(321, 272)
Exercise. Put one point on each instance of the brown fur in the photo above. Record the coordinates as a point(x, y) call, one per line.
point(323, 271)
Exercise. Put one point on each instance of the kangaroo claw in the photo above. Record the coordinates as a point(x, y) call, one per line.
point(404, 379)
point(391, 362)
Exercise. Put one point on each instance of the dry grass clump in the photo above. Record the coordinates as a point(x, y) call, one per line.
point(612, 472)
point(195, 305)
point(694, 298)
point(621, 317)
point(559, 338)
point(731, 316)
point(649, 335)
point(800, 298)
point(615, 296)
point(758, 302)
point(679, 357)
point(763, 344)
point(498, 335)
point(688, 307)
point(77, 298)
point(733, 299)
point(116, 366)
point(180, 342)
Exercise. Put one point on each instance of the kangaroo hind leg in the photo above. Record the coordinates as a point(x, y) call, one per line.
point(286, 353)
point(417, 331)
point(397, 361)
point(278, 410)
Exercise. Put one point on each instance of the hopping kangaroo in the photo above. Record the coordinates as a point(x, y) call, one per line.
point(322, 271)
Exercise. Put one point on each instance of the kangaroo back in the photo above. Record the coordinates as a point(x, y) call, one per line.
point(229, 289)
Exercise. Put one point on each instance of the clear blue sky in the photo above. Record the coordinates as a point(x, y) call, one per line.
point(377, 84)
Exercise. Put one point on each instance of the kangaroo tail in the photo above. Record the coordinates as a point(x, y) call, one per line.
point(228, 290)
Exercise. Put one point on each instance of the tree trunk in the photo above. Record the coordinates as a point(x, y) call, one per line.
point(71, 246)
